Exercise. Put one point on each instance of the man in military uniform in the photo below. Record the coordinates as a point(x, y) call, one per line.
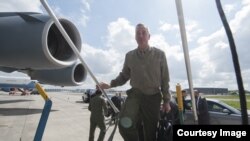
point(146, 68)
point(98, 109)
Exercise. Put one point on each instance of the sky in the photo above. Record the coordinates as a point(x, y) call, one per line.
point(107, 33)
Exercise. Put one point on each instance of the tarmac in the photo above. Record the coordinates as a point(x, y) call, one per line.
point(69, 119)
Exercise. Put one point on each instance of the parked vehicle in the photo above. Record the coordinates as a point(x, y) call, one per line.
point(220, 113)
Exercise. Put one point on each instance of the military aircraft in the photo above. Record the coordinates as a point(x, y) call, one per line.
point(32, 44)
point(14, 84)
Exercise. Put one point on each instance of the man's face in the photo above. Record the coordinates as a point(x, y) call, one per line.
point(142, 36)
point(196, 93)
point(184, 94)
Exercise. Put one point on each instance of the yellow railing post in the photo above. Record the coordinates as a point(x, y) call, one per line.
point(180, 102)
point(41, 91)
point(45, 114)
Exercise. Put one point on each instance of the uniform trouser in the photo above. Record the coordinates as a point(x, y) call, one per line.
point(93, 124)
point(139, 109)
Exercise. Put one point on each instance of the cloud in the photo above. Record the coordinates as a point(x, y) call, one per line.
point(85, 8)
point(86, 4)
point(192, 29)
point(79, 17)
point(228, 8)
point(245, 2)
point(120, 39)
point(120, 36)
point(167, 26)
point(95, 58)
point(83, 20)
point(210, 58)
point(215, 58)
point(107, 62)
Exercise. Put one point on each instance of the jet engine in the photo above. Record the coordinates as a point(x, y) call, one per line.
point(71, 76)
point(32, 41)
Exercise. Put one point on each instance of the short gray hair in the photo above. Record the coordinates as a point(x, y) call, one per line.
point(142, 25)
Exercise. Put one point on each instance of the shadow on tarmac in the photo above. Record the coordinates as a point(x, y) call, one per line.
point(14, 101)
point(20, 111)
point(79, 101)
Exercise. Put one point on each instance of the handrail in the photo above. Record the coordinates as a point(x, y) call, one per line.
point(45, 113)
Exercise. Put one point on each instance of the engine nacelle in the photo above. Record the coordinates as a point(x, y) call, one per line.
point(70, 76)
point(32, 41)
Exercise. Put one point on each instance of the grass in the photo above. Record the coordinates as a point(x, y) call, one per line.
point(236, 104)
point(226, 97)
point(232, 100)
